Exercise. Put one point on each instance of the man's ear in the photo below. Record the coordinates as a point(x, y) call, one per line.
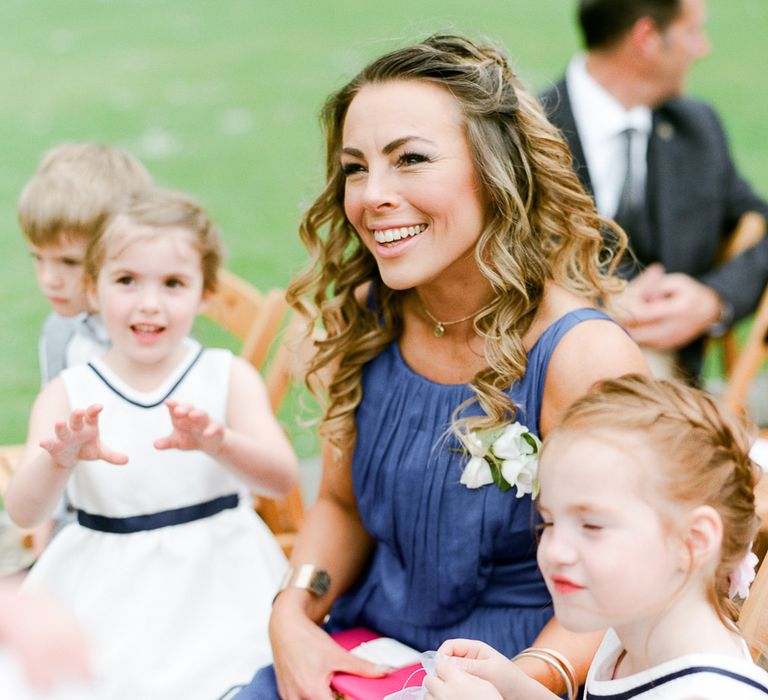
point(703, 534)
point(646, 37)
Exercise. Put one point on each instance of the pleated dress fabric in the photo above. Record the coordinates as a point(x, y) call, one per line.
point(449, 561)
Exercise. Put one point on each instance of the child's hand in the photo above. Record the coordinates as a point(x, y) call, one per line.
point(78, 439)
point(47, 641)
point(482, 661)
point(451, 683)
point(193, 429)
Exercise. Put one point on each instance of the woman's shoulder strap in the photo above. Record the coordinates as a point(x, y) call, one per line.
point(552, 335)
point(542, 350)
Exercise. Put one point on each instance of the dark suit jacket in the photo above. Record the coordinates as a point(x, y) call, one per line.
point(694, 198)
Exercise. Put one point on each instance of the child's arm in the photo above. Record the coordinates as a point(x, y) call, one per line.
point(474, 669)
point(252, 444)
point(47, 462)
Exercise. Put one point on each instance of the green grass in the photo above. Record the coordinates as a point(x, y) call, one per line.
point(221, 99)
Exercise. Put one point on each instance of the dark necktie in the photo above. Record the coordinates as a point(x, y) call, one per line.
point(631, 214)
point(630, 199)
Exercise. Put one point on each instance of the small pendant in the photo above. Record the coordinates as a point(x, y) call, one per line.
point(439, 330)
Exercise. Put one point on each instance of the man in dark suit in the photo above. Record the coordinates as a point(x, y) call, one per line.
point(659, 163)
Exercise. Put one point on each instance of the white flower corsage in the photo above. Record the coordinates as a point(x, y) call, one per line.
point(506, 457)
point(740, 578)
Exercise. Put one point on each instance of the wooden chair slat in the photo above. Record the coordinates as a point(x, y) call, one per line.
point(256, 319)
point(750, 229)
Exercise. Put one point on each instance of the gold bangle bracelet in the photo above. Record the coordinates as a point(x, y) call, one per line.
point(534, 654)
point(561, 659)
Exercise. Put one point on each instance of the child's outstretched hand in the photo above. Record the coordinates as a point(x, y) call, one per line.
point(78, 439)
point(193, 429)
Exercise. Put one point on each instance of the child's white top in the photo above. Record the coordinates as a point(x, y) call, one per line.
point(700, 676)
point(175, 612)
point(154, 480)
point(70, 341)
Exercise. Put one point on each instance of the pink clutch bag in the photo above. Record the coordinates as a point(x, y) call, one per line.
point(348, 687)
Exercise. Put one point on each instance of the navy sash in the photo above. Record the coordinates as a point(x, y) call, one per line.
point(153, 521)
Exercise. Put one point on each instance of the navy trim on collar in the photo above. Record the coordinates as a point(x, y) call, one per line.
point(627, 695)
point(157, 403)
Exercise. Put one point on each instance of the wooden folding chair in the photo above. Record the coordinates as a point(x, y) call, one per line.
point(745, 366)
point(741, 365)
point(256, 320)
point(750, 230)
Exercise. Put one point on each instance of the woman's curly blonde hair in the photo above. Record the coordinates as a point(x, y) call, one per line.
point(541, 226)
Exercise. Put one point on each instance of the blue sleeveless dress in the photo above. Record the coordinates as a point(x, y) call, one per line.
point(450, 561)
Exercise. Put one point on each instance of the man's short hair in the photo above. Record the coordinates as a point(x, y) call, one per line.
point(605, 22)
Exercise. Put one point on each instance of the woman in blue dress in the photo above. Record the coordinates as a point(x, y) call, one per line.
point(456, 267)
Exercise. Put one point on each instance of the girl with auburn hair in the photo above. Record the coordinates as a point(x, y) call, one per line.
point(648, 507)
point(456, 264)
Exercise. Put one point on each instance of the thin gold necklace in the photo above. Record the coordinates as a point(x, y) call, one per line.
point(439, 329)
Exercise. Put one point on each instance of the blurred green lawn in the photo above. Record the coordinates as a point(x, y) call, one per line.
point(221, 99)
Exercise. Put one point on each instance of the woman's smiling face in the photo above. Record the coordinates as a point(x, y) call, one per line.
point(411, 191)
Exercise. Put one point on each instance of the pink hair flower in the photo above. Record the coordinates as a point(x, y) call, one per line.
point(742, 576)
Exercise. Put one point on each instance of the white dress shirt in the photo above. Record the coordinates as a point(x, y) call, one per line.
point(601, 120)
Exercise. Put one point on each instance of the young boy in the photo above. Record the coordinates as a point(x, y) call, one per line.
point(73, 190)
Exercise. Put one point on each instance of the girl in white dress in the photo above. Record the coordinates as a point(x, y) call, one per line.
point(158, 443)
point(647, 500)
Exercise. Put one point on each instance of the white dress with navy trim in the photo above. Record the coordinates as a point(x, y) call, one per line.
point(700, 676)
point(172, 611)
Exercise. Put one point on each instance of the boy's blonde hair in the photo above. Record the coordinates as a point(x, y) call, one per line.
point(703, 453)
point(76, 186)
point(158, 209)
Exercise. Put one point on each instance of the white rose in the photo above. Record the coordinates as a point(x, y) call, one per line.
point(511, 443)
point(477, 473)
point(475, 445)
point(520, 472)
